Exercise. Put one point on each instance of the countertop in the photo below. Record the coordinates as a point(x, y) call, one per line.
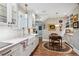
point(70, 34)
point(16, 41)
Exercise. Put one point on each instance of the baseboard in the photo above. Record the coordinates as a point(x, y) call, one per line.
point(76, 50)
point(45, 39)
point(69, 45)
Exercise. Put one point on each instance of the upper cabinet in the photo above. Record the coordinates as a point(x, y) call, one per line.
point(31, 19)
point(12, 14)
point(22, 20)
point(22, 16)
point(3, 13)
point(17, 15)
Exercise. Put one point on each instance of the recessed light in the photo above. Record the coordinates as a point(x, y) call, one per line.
point(57, 13)
point(43, 11)
point(26, 5)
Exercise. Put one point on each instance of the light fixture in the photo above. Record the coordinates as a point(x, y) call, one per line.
point(60, 21)
point(26, 5)
point(44, 11)
point(57, 13)
point(57, 25)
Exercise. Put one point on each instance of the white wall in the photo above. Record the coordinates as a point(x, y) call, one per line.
point(54, 21)
point(8, 33)
point(74, 41)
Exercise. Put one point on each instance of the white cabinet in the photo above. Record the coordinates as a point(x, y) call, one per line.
point(31, 19)
point(22, 48)
point(32, 45)
point(20, 16)
point(3, 13)
point(22, 20)
point(12, 14)
point(12, 51)
point(29, 48)
point(8, 14)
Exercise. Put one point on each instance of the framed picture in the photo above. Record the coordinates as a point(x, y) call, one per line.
point(75, 18)
point(51, 26)
point(75, 25)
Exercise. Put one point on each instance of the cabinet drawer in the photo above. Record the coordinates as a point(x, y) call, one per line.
point(9, 51)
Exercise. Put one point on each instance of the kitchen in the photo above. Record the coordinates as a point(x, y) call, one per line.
point(14, 38)
point(23, 27)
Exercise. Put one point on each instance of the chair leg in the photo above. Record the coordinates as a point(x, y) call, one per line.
point(49, 42)
point(61, 44)
point(53, 44)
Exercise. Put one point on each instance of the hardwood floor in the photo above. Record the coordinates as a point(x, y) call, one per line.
point(41, 51)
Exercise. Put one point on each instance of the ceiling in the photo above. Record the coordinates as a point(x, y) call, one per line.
point(51, 9)
point(22, 7)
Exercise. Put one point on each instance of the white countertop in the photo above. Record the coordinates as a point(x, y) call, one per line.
point(15, 41)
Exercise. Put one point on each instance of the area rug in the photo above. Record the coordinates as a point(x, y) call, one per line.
point(65, 48)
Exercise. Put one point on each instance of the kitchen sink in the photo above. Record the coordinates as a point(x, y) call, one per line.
point(4, 44)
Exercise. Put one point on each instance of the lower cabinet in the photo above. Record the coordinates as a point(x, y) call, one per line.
point(26, 50)
point(21, 49)
point(12, 51)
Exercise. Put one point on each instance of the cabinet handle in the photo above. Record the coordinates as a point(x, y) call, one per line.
point(6, 52)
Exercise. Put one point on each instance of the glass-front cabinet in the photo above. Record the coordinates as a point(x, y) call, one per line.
point(3, 13)
point(8, 14)
point(12, 14)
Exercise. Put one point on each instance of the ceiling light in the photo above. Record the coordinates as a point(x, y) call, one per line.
point(57, 13)
point(43, 11)
point(57, 25)
point(26, 5)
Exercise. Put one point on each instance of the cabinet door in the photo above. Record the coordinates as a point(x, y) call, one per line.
point(12, 14)
point(29, 16)
point(33, 45)
point(21, 20)
point(12, 51)
point(15, 53)
point(3, 13)
point(23, 49)
point(9, 14)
